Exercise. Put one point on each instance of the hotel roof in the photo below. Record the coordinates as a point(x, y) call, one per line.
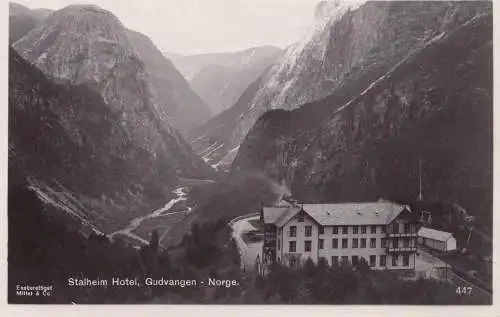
point(272, 214)
point(373, 213)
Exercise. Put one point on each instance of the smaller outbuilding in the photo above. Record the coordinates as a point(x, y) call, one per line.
point(436, 239)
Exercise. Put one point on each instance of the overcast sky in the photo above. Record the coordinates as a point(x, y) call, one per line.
point(201, 26)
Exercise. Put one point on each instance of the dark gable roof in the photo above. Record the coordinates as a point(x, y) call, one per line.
point(377, 213)
point(272, 214)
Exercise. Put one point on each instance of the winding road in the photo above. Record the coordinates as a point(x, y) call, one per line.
point(180, 194)
point(248, 252)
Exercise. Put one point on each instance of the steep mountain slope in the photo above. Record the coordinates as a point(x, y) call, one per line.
point(21, 21)
point(436, 106)
point(185, 108)
point(85, 45)
point(59, 137)
point(349, 45)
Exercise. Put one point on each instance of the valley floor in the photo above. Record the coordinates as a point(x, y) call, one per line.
point(162, 220)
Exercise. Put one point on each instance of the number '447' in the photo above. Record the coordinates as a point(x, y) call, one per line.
point(463, 290)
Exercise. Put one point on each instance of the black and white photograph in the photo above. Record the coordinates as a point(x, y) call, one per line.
point(250, 152)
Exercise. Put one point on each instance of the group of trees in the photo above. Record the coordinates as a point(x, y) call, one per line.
point(200, 246)
point(345, 284)
point(42, 250)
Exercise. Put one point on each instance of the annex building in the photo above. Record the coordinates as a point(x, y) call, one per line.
point(436, 239)
point(382, 233)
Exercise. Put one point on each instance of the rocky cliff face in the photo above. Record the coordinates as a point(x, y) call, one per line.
point(349, 45)
point(126, 133)
point(88, 45)
point(185, 108)
point(366, 140)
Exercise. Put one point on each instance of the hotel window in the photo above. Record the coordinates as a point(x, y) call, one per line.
point(373, 259)
point(321, 230)
point(292, 246)
point(406, 260)
point(383, 230)
point(395, 260)
point(307, 246)
point(363, 229)
point(344, 243)
point(309, 231)
point(354, 243)
point(382, 260)
point(300, 217)
point(354, 260)
point(293, 231)
point(373, 243)
point(395, 227)
point(406, 242)
point(344, 230)
point(373, 229)
point(383, 243)
point(406, 228)
point(355, 229)
point(335, 260)
point(321, 243)
point(395, 242)
point(335, 243)
point(335, 230)
point(345, 260)
point(363, 243)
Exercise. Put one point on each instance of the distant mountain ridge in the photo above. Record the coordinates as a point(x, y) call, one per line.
point(348, 43)
point(190, 66)
point(22, 20)
point(220, 78)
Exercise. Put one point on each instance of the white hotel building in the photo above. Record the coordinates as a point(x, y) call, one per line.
point(383, 233)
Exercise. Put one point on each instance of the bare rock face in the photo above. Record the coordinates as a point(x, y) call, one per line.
point(349, 42)
point(85, 46)
point(185, 109)
point(88, 45)
point(366, 140)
